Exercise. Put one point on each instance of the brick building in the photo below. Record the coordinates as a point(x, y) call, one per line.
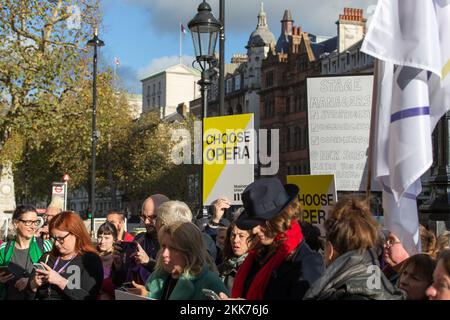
point(283, 93)
point(297, 56)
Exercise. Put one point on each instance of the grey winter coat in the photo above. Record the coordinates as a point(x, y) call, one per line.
point(354, 276)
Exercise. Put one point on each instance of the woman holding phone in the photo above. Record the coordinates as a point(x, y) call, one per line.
point(73, 269)
point(17, 256)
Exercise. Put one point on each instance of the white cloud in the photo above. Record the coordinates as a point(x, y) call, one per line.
point(314, 16)
point(162, 63)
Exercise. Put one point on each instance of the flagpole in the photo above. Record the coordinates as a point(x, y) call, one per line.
point(372, 128)
point(179, 30)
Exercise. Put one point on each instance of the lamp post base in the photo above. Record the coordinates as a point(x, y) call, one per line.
point(436, 212)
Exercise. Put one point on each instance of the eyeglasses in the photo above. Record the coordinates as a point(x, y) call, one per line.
point(391, 242)
point(59, 239)
point(29, 223)
point(150, 218)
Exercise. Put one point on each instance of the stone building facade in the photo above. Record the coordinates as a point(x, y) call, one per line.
point(299, 55)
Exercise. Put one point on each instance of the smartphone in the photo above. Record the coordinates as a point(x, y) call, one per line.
point(127, 285)
point(210, 294)
point(38, 266)
point(127, 249)
point(4, 270)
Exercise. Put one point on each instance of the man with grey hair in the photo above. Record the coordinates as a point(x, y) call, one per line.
point(174, 211)
point(144, 259)
point(54, 208)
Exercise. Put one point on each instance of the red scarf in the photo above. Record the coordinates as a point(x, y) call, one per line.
point(292, 237)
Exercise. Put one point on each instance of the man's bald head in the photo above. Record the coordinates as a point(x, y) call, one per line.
point(153, 202)
point(148, 214)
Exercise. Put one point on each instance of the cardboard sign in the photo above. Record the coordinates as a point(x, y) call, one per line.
point(228, 157)
point(317, 196)
point(339, 111)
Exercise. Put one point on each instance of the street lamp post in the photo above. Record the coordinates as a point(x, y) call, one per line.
point(94, 42)
point(205, 29)
point(222, 59)
point(437, 208)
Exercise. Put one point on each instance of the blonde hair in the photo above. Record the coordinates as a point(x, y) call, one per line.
point(443, 242)
point(173, 211)
point(428, 241)
point(57, 203)
point(188, 240)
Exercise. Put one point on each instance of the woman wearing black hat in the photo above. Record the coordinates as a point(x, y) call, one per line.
point(281, 265)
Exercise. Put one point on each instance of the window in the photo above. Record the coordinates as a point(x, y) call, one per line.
point(288, 139)
point(153, 102)
point(269, 107)
point(154, 88)
point(229, 85)
point(159, 86)
point(297, 136)
point(297, 103)
point(304, 140)
point(302, 103)
point(303, 63)
point(302, 97)
point(288, 105)
point(159, 101)
point(269, 79)
point(237, 82)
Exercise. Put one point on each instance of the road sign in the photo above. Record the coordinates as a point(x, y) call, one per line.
point(58, 189)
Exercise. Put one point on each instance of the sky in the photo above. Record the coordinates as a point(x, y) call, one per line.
point(145, 34)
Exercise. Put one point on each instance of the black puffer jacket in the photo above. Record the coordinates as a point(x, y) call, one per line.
point(354, 276)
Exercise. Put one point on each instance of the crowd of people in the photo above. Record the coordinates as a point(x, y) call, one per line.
point(262, 251)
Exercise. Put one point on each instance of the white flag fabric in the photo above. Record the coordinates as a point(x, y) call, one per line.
point(412, 40)
point(404, 32)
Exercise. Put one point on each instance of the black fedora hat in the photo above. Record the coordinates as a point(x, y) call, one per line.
point(263, 200)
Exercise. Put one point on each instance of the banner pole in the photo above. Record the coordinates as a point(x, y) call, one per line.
point(372, 128)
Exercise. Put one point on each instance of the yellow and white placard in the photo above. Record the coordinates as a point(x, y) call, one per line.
point(228, 157)
point(317, 196)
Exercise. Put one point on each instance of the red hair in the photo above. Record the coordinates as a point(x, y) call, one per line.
point(71, 222)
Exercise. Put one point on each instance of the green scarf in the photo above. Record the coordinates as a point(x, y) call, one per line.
point(5, 257)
